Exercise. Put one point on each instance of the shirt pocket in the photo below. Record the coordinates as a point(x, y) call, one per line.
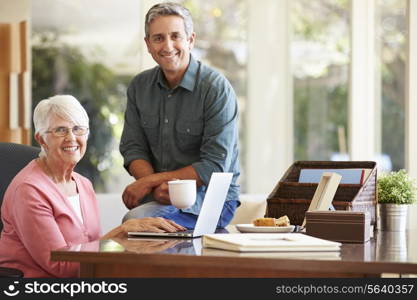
point(150, 124)
point(189, 135)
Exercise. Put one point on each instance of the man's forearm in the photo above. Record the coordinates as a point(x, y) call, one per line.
point(140, 168)
point(187, 172)
point(156, 179)
point(143, 169)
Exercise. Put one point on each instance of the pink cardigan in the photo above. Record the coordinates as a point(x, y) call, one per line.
point(37, 218)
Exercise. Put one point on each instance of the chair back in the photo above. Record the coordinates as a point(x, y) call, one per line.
point(13, 158)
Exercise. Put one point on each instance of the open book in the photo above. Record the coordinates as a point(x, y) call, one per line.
point(253, 242)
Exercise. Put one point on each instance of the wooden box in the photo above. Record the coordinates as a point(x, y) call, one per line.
point(339, 226)
point(291, 198)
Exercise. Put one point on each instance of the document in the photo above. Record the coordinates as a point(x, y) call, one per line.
point(258, 242)
point(349, 176)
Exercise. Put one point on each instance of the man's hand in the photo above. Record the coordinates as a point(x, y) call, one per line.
point(135, 192)
point(161, 194)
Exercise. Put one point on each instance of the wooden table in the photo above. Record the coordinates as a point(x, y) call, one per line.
point(387, 252)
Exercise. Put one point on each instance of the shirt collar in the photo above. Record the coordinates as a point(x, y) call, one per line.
point(190, 76)
point(189, 79)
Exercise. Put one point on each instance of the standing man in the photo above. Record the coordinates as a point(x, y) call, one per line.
point(180, 123)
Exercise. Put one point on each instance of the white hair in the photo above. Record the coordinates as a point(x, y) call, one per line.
point(64, 106)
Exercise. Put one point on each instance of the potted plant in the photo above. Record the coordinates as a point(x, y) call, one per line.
point(396, 191)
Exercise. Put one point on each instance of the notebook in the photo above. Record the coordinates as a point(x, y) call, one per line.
point(266, 242)
point(209, 213)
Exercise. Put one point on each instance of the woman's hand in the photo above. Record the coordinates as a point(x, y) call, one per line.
point(151, 225)
point(144, 224)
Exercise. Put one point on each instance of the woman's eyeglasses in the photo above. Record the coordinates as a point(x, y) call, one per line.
point(63, 131)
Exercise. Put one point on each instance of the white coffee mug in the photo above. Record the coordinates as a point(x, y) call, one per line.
point(182, 192)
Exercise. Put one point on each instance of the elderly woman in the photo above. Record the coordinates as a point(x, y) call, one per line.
point(48, 205)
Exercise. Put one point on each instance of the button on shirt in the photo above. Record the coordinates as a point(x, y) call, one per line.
point(194, 124)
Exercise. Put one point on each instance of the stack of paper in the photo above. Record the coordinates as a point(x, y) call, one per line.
point(253, 242)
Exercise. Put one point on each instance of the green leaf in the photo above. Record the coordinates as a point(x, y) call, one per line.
point(396, 188)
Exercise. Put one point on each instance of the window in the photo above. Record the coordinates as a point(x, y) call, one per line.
point(89, 49)
point(93, 53)
point(320, 63)
point(391, 44)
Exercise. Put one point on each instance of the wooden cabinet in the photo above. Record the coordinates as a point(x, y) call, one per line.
point(15, 87)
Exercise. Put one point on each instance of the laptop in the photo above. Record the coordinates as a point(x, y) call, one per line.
point(209, 213)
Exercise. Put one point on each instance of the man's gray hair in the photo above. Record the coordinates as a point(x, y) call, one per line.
point(64, 106)
point(169, 9)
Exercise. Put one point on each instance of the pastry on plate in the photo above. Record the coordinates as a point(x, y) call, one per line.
point(280, 222)
point(264, 222)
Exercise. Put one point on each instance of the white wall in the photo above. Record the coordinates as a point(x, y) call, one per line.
point(411, 102)
point(268, 129)
point(112, 211)
point(14, 10)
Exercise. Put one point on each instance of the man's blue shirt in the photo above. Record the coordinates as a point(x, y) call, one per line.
point(194, 124)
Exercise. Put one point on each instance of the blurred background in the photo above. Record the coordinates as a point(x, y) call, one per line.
point(315, 80)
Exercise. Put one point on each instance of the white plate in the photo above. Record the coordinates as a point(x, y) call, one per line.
point(253, 228)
